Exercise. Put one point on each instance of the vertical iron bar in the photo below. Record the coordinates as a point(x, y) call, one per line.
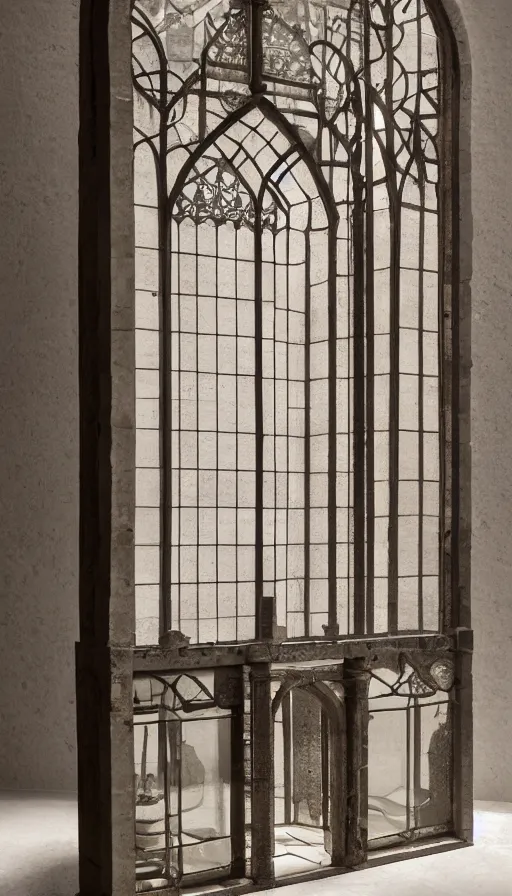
point(307, 431)
point(462, 721)
point(144, 757)
point(356, 702)
point(359, 396)
point(255, 44)
point(262, 752)
point(421, 310)
point(237, 793)
point(370, 333)
point(165, 437)
point(408, 767)
point(417, 761)
point(263, 616)
point(287, 749)
point(332, 629)
point(394, 338)
point(324, 749)
point(163, 780)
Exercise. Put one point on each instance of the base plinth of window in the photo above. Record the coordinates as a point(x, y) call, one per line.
point(416, 850)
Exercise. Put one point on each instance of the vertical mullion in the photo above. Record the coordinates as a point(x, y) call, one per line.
point(237, 794)
point(197, 398)
point(274, 436)
point(394, 338)
point(166, 438)
point(165, 510)
point(287, 750)
point(408, 766)
point(332, 629)
point(359, 402)
point(421, 297)
point(180, 802)
point(417, 761)
point(179, 477)
point(324, 752)
point(287, 392)
point(262, 755)
point(307, 430)
point(216, 433)
point(370, 334)
point(262, 629)
point(163, 768)
point(237, 440)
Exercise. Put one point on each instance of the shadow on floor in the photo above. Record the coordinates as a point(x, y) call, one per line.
point(60, 878)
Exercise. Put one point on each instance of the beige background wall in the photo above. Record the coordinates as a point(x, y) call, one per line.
point(38, 392)
point(38, 386)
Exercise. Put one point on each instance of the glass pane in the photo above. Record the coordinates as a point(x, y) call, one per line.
point(182, 745)
point(409, 752)
point(301, 783)
point(296, 303)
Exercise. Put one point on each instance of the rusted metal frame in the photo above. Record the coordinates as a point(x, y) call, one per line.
point(357, 715)
point(107, 452)
point(262, 784)
point(156, 659)
point(437, 844)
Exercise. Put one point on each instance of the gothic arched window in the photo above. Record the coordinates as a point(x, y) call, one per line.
point(289, 271)
point(274, 672)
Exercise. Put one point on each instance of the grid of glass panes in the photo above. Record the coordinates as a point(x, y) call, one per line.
point(366, 558)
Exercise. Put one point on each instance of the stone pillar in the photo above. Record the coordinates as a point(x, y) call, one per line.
point(262, 810)
point(356, 698)
point(104, 655)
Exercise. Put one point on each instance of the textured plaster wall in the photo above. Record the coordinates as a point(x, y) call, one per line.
point(489, 28)
point(38, 400)
point(38, 393)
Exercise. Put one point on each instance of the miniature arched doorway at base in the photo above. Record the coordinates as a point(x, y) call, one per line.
point(309, 768)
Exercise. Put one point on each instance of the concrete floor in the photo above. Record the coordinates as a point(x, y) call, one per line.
point(38, 857)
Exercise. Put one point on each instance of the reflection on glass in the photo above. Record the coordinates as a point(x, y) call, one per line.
point(301, 784)
point(410, 752)
point(182, 746)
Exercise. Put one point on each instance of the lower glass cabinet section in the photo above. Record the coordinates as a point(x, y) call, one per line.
point(409, 752)
point(183, 781)
point(193, 764)
point(307, 742)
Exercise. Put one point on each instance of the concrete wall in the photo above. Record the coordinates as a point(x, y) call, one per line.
point(38, 400)
point(38, 393)
point(489, 27)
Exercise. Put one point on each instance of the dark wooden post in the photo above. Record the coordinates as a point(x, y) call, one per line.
point(262, 810)
point(463, 737)
point(338, 787)
point(356, 691)
point(104, 655)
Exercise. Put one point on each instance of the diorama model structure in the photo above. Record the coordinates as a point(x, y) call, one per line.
point(274, 667)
